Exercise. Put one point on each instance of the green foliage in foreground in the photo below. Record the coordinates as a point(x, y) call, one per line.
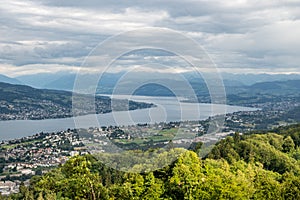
point(257, 166)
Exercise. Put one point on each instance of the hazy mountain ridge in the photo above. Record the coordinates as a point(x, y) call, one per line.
point(233, 83)
point(65, 80)
point(10, 80)
point(290, 85)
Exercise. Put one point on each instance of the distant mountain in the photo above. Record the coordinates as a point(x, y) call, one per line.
point(277, 87)
point(64, 82)
point(6, 79)
point(41, 80)
point(264, 92)
point(155, 89)
point(250, 79)
point(234, 83)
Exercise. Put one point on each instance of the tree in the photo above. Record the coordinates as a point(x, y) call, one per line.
point(153, 187)
point(26, 194)
point(236, 137)
point(196, 147)
point(288, 144)
point(186, 175)
point(266, 184)
point(40, 197)
point(291, 186)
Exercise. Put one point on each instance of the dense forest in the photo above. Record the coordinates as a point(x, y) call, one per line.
point(263, 165)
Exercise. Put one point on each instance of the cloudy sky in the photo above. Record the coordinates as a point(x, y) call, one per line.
point(241, 36)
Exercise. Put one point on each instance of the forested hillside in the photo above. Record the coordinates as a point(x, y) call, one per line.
point(254, 166)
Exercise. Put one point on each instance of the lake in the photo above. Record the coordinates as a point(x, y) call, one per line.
point(168, 109)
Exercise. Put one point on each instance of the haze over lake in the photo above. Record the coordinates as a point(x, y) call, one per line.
point(167, 109)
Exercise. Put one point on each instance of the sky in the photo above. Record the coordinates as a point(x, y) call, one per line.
point(240, 36)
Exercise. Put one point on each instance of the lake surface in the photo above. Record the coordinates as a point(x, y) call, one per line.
point(168, 109)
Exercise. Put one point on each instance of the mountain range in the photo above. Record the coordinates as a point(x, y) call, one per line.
point(65, 80)
point(163, 83)
point(6, 79)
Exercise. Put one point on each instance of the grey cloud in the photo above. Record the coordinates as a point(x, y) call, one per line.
point(68, 49)
point(251, 33)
